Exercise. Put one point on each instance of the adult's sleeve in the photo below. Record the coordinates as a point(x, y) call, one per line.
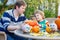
point(5, 20)
point(1, 26)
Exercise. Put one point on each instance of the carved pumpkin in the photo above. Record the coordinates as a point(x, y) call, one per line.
point(57, 21)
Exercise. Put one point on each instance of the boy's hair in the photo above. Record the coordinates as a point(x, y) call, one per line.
point(20, 3)
point(31, 16)
point(39, 12)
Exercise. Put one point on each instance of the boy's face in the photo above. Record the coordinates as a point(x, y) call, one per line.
point(21, 9)
point(38, 17)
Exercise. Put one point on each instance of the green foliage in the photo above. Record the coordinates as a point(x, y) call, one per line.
point(2, 7)
point(49, 14)
point(32, 5)
point(50, 7)
point(29, 11)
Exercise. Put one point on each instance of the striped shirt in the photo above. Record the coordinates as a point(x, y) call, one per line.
point(8, 17)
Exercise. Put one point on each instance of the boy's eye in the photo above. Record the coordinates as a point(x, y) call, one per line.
point(37, 15)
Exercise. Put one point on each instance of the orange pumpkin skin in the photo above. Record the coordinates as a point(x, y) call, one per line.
point(35, 29)
point(57, 21)
point(48, 29)
point(32, 23)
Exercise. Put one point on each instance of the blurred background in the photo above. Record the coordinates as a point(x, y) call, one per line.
point(50, 7)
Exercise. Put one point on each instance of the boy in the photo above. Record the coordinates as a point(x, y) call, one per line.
point(15, 15)
point(41, 19)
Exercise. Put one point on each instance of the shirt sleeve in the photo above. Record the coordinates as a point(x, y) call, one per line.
point(1, 26)
point(5, 20)
point(47, 23)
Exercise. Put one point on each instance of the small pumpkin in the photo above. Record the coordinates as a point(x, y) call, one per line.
point(48, 29)
point(35, 29)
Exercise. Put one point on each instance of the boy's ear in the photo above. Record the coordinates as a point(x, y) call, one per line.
point(17, 7)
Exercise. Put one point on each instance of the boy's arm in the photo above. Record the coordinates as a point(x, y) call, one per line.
point(47, 23)
point(6, 22)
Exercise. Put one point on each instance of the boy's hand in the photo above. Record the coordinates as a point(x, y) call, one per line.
point(40, 26)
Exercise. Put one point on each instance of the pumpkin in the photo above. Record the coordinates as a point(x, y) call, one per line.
point(48, 29)
point(31, 23)
point(35, 29)
point(57, 21)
